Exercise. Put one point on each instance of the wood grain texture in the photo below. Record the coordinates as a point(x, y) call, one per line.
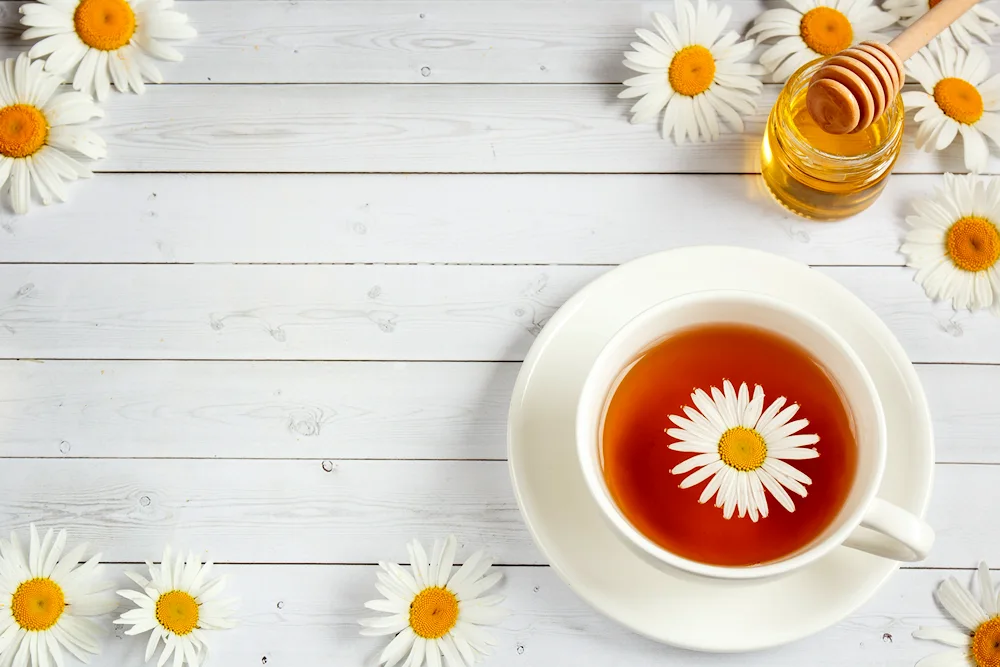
point(323, 468)
point(424, 128)
point(354, 41)
point(279, 312)
point(446, 218)
point(307, 615)
point(345, 511)
point(369, 312)
point(255, 410)
point(339, 410)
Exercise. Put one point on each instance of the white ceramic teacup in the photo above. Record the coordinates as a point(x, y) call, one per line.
point(864, 522)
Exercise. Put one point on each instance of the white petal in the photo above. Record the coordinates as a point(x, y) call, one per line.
point(958, 602)
point(777, 421)
point(19, 187)
point(387, 606)
point(976, 151)
point(417, 652)
point(397, 648)
point(768, 415)
point(483, 615)
point(793, 441)
point(452, 658)
point(779, 493)
point(419, 563)
point(948, 636)
point(475, 567)
point(704, 473)
point(78, 139)
point(786, 473)
point(795, 454)
point(708, 408)
point(102, 79)
point(83, 79)
point(757, 489)
point(713, 485)
point(432, 654)
point(699, 461)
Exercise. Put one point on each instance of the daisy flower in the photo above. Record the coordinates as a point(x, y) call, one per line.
point(37, 129)
point(432, 612)
point(975, 22)
point(742, 449)
point(954, 243)
point(957, 98)
point(811, 29)
point(692, 73)
point(180, 605)
point(977, 643)
point(100, 42)
point(48, 601)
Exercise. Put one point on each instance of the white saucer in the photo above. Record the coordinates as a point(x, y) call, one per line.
point(564, 521)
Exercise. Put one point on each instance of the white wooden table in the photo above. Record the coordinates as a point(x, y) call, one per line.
point(283, 324)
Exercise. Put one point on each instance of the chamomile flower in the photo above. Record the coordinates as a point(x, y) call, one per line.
point(954, 243)
point(48, 601)
point(957, 98)
point(742, 449)
point(100, 42)
point(811, 29)
point(38, 132)
point(433, 612)
point(180, 605)
point(692, 72)
point(977, 642)
point(974, 23)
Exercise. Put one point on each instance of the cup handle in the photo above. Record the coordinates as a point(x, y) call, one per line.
point(891, 532)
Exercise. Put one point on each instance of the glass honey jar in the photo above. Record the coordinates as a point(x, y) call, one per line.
point(825, 176)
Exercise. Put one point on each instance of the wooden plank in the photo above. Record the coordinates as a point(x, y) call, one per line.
point(286, 41)
point(963, 406)
point(255, 410)
point(346, 511)
point(929, 332)
point(279, 312)
point(486, 219)
point(306, 615)
point(368, 312)
point(423, 128)
point(340, 410)
point(398, 42)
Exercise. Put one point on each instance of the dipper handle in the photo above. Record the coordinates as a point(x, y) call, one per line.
point(855, 87)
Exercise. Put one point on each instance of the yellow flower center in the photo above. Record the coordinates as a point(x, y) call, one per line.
point(37, 604)
point(692, 70)
point(177, 612)
point(986, 643)
point(105, 25)
point(973, 243)
point(433, 612)
point(742, 448)
point(959, 99)
point(23, 130)
point(826, 30)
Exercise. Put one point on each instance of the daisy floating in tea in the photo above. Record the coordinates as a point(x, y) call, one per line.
point(742, 449)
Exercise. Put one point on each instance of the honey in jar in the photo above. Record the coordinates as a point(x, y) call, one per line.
point(825, 176)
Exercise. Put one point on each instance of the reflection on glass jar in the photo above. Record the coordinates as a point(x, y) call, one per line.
point(826, 176)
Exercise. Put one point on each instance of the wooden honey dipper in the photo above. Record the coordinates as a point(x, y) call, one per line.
point(853, 88)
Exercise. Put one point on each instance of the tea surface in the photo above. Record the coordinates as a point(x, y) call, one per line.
point(638, 460)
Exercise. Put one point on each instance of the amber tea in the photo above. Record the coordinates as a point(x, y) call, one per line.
point(734, 416)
